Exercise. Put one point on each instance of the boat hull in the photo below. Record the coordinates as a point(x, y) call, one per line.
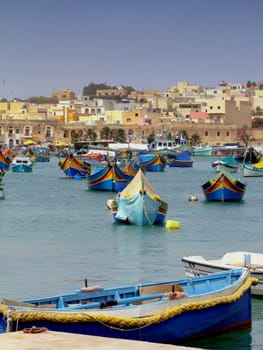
point(152, 162)
point(200, 323)
point(109, 178)
point(223, 189)
point(22, 168)
point(249, 170)
point(72, 167)
point(140, 210)
point(166, 312)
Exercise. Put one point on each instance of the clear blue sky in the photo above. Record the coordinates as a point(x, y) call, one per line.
point(148, 44)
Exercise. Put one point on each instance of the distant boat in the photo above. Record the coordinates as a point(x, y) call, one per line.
point(224, 188)
point(139, 204)
point(152, 161)
point(250, 156)
point(162, 312)
point(226, 163)
point(22, 164)
point(72, 167)
point(202, 150)
point(182, 159)
point(5, 161)
point(255, 169)
point(110, 177)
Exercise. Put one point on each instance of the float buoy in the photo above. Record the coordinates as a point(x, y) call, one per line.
point(109, 204)
point(192, 198)
point(172, 224)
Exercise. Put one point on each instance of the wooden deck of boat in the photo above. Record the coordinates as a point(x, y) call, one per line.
point(67, 341)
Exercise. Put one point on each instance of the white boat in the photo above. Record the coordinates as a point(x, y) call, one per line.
point(197, 266)
point(255, 169)
point(22, 164)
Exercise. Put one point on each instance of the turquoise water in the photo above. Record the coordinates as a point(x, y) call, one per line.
point(54, 233)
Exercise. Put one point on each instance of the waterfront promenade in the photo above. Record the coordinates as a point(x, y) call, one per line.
point(67, 341)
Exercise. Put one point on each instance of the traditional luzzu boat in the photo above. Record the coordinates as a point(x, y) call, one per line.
point(181, 159)
point(197, 266)
point(152, 161)
point(5, 161)
point(165, 312)
point(224, 188)
point(139, 204)
point(22, 164)
point(108, 178)
point(74, 168)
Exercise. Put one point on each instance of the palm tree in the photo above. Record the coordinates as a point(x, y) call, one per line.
point(246, 138)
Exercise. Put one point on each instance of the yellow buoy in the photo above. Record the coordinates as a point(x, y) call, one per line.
point(171, 224)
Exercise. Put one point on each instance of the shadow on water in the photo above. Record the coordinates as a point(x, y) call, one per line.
point(238, 340)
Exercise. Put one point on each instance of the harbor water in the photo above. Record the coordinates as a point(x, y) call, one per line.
point(54, 233)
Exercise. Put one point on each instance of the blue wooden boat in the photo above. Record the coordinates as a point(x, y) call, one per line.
point(109, 178)
point(224, 188)
point(22, 164)
point(165, 312)
point(139, 204)
point(152, 161)
point(73, 168)
point(181, 159)
point(5, 161)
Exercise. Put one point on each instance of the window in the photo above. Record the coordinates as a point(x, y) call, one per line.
point(48, 132)
point(17, 131)
point(227, 133)
point(206, 133)
point(218, 107)
point(10, 131)
point(128, 120)
point(27, 131)
point(218, 133)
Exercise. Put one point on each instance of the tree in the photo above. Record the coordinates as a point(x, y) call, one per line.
point(118, 135)
point(195, 139)
point(184, 134)
point(105, 133)
point(151, 137)
point(92, 135)
point(42, 100)
point(74, 136)
point(246, 138)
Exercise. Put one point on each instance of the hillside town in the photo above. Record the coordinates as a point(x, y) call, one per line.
point(225, 114)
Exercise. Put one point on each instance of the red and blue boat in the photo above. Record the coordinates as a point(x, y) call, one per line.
point(152, 161)
point(224, 188)
point(5, 161)
point(109, 178)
